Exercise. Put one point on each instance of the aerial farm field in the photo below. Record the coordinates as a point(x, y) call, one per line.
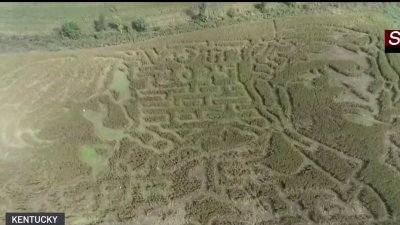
point(288, 120)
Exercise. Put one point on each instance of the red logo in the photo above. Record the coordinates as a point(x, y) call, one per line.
point(392, 41)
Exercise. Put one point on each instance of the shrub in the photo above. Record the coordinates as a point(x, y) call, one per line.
point(117, 24)
point(100, 24)
point(202, 17)
point(202, 8)
point(290, 4)
point(191, 13)
point(260, 6)
point(71, 30)
point(113, 26)
point(140, 25)
point(232, 12)
point(306, 6)
point(127, 29)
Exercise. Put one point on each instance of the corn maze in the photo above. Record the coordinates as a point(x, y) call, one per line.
point(294, 121)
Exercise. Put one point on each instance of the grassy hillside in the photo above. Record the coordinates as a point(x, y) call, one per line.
point(42, 18)
point(36, 26)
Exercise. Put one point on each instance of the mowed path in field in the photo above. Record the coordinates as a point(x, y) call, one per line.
point(290, 121)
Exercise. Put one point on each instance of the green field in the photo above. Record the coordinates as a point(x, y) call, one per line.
point(43, 18)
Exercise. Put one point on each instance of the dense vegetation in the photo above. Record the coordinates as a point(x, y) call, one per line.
point(71, 30)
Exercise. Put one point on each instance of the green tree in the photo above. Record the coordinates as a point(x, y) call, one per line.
point(140, 25)
point(260, 6)
point(100, 24)
point(202, 16)
point(202, 8)
point(232, 12)
point(128, 29)
point(118, 23)
point(71, 30)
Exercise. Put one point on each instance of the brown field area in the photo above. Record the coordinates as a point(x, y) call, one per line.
point(289, 121)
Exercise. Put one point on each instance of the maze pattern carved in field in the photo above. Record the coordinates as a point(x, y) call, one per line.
point(299, 128)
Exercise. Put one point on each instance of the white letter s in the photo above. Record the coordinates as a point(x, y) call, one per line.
point(394, 37)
